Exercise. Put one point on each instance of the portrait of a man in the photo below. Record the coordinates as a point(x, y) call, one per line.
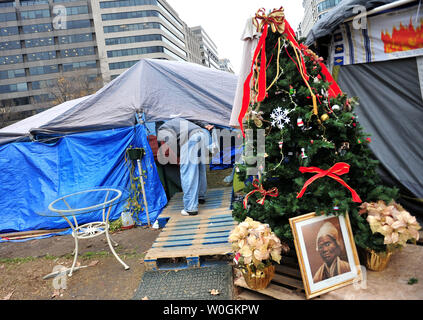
point(329, 245)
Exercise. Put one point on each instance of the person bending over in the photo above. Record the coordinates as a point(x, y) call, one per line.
point(193, 139)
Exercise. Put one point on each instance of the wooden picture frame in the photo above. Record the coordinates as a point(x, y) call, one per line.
point(323, 240)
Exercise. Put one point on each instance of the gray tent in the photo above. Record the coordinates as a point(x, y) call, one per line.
point(382, 65)
point(160, 89)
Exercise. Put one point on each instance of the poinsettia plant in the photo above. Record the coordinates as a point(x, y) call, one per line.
point(393, 222)
point(255, 244)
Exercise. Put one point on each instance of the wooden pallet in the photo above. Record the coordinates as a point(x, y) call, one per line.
point(191, 238)
point(286, 284)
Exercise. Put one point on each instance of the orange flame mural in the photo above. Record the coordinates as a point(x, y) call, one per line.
point(404, 39)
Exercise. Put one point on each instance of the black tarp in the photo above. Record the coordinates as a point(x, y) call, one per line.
point(391, 110)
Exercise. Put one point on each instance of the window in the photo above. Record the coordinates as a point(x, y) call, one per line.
point(9, 31)
point(133, 51)
point(48, 55)
point(61, 1)
point(16, 87)
point(11, 59)
point(172, 36)
point(327, 4)
point(75, 38)
point(129, 15)
point(133, 39)
point(173, 46)
point(122, 65)
point(76, 10)
point(35, 14)
point(10, 45)
point(126, 3)
point(15, 102)
point(36, 85)
point(79, 65)
point(33, 2)
point(34, 71)
point(41, 27)
point(7, 4)
point(10, 74)
point(173, 55)
point(39, 42)
point(8, 16)
point(43, 98)
point(75, 24)
point(132, 27)
point(174, 29)
point(76, 52)
point(143, 26)
point(170, 15)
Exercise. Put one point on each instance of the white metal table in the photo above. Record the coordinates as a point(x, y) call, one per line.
point(84, 202)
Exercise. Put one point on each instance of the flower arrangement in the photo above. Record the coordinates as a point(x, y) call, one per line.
point(255, 244)
point(393, 222)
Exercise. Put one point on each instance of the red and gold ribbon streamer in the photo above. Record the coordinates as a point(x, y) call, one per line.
point(259, 188)
point(276, 20)
point(337, 170)
point(334, 89)
point(261, 48)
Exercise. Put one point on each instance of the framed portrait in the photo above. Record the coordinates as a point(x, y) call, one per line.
point(326, 252)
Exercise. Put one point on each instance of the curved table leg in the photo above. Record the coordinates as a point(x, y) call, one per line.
point(113, 250)
point(75, 252)
point(114, 242)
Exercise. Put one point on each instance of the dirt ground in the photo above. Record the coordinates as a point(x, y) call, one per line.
point(24, 264)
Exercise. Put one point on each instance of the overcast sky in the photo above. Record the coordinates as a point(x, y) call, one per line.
point(224, 20)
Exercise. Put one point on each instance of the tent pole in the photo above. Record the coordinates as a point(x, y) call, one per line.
point(143, 191)
point(381, 8)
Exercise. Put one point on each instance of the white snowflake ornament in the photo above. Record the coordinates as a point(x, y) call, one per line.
point(280, 118)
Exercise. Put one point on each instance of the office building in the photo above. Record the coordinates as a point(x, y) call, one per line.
point(128, 30)
point(44, 40)
point(313, 11)
point(225, 65)
point(209, 55)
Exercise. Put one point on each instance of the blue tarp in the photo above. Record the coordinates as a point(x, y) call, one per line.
point(33, 174)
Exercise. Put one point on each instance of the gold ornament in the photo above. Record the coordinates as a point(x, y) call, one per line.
point(324, 117)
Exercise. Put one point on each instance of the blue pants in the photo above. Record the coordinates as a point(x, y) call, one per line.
point(193, 169)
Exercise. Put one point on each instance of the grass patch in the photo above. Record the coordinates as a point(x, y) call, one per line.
point(26, 259)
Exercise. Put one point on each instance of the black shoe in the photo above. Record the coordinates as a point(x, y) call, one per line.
point(201, 201)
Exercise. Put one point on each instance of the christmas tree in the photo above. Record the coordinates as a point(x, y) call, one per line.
point(311, 131)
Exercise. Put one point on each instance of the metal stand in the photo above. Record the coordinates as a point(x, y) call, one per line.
point(143, 191)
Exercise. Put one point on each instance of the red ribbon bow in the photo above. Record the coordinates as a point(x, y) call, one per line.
point(259, 188)
point(337, 170)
